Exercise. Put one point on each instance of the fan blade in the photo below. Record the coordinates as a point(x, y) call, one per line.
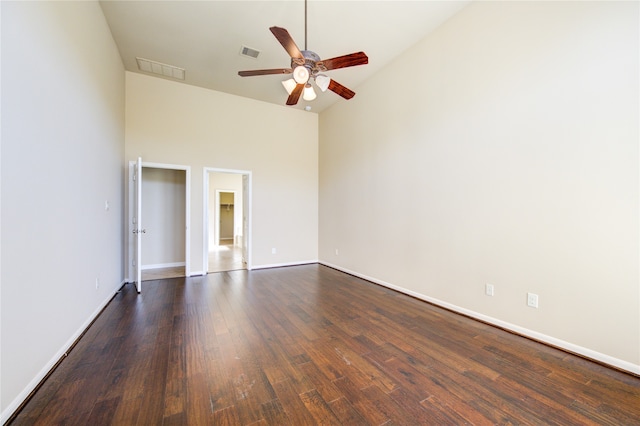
point(351, 60)
point(295, 94)
point(287, 42)
point(339, 89)
point(251, 73)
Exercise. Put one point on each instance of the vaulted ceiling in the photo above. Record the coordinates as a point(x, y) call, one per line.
point(206, 37)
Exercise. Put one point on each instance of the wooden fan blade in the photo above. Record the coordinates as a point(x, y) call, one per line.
point(351, 60)
point(338, 88)
point(251, 73)
point(287, 42)
point(295, 94)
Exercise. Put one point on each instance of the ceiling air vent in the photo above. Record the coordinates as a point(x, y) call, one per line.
point(249, 52)
point(160, 68)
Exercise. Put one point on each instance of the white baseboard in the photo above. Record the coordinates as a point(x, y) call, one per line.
point(282, 265)
point(550, 340)
point(162, 265)
point(22, 396)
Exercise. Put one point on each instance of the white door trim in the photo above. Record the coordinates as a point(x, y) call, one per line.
point(138, 223)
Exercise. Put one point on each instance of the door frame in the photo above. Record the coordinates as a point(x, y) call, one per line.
point(131, 212)
point(246, 210)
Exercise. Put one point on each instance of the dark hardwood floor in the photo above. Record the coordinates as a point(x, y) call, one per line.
point(309, 345)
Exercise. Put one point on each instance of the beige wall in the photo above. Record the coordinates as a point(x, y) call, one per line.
point(509, 140)
point(163, 217)
point(227, 224)
point(62, 159)
point(174, 123)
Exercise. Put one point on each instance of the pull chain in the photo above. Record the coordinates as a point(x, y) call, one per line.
point(305, 24)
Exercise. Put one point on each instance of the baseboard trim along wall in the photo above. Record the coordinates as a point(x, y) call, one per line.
point(162, 265)
point(543, 338)
point(282, 265)
point(57, 358)
point(274, 265)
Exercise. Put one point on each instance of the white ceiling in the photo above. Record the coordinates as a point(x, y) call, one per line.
point(205, 38)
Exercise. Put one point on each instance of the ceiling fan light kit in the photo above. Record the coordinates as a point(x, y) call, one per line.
point(307, 65)
point(289, 85)
point(322, 81)
point(308, 94)
point(301, 74)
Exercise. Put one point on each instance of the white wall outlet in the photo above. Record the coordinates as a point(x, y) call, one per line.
point(488, 289)
point(106, 206)
point(273, 250)
point(532, 300)
point(97, 283)
point(336, 252)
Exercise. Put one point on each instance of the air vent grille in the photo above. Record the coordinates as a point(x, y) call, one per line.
point(249, 52)
point(160, 69)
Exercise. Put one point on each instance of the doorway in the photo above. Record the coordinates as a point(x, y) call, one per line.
point(163, 192)
point(226, 220)
point(158, 237)
point(225, 225)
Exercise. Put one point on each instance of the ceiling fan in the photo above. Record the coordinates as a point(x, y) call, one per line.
point(307, 65)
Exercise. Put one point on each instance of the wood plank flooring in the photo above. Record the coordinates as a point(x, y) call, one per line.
point(309, 345)
point(225, 257)
point(222, 258)
point(162, 273)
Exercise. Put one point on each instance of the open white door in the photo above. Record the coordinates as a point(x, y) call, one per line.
point(245, 221)
point(137, 224)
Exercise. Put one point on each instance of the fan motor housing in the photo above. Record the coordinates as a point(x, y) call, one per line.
point(311, 61)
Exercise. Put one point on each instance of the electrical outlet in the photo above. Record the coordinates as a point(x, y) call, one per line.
point(488, 289)
point(97, 283)
point(336, 252)
point(273, 250)
point(532, 300)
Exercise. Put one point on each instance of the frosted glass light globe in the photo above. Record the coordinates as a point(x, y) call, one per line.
point(301, 74)
point(308, 94)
